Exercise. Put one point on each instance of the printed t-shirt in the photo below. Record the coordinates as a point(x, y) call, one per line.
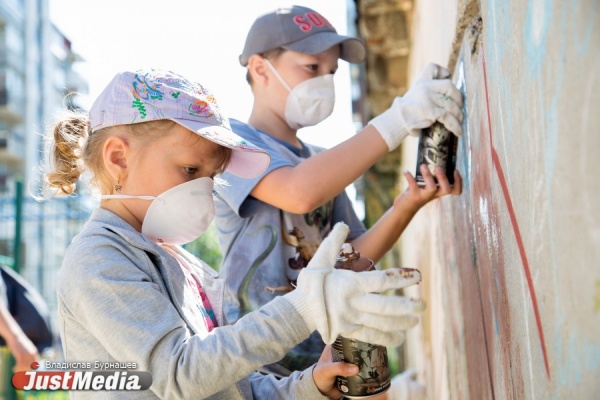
point(264, 248)
point(194, 285)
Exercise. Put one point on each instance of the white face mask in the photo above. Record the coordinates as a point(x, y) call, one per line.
point(179, 215)
point(310, 102)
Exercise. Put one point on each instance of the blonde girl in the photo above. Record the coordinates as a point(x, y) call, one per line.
point(129, 293)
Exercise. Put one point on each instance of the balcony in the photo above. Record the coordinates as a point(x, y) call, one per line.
point(9, 114)
point(10, 151)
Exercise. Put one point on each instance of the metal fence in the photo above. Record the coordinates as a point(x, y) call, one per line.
point(43, 231)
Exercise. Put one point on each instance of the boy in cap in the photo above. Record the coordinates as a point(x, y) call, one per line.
point(270, 226)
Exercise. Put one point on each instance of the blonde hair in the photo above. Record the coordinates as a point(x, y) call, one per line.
point(74, 149)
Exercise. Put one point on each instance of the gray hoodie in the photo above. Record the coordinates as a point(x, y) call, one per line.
point(123, 298)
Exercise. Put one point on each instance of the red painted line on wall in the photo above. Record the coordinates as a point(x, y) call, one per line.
point(515, 224)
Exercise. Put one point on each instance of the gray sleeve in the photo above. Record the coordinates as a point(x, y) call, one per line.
point(299, 385)
point(109, 301)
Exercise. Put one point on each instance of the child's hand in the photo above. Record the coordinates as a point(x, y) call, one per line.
point(326, 370)
point(433, 97)
point(417, 196)
point(342, 302)
point(24, 352)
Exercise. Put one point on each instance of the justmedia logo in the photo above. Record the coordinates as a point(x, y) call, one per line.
point(81, 380)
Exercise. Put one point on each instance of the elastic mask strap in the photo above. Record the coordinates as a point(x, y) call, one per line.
point(126, 196)
point(285, 85)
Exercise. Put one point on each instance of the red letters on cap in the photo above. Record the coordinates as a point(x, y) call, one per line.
point(309, 20)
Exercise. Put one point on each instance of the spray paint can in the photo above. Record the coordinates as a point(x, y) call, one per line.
point(373, 377)
point(437, 148)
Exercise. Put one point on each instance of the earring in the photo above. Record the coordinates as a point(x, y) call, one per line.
point(118, 186)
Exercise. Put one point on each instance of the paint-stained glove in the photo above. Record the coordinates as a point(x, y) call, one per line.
point(342, 302)
point(405, 387)
point(433, 97)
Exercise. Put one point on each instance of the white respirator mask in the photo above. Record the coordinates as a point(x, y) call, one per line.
point(179, 215)
point(310, 102)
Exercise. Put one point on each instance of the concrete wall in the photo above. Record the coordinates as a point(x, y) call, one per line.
point(512, 267)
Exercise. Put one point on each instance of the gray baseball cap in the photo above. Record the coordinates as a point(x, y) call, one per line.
point(299, 29)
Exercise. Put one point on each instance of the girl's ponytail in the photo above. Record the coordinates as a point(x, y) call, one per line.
point(66, 155)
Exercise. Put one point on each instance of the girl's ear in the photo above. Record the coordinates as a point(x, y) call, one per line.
point(114, 154)
point(257, 68)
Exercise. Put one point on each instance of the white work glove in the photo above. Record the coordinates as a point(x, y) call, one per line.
point(343, 302)
point(433, 97)
point(405, 387)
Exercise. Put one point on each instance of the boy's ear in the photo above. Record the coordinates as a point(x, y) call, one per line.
point(114, 154)
point(257, 68)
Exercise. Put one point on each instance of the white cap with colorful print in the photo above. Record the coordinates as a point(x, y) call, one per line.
point(147, 95)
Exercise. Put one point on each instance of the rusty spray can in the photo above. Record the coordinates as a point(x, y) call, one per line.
point(373, 377)
point(437, 148)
